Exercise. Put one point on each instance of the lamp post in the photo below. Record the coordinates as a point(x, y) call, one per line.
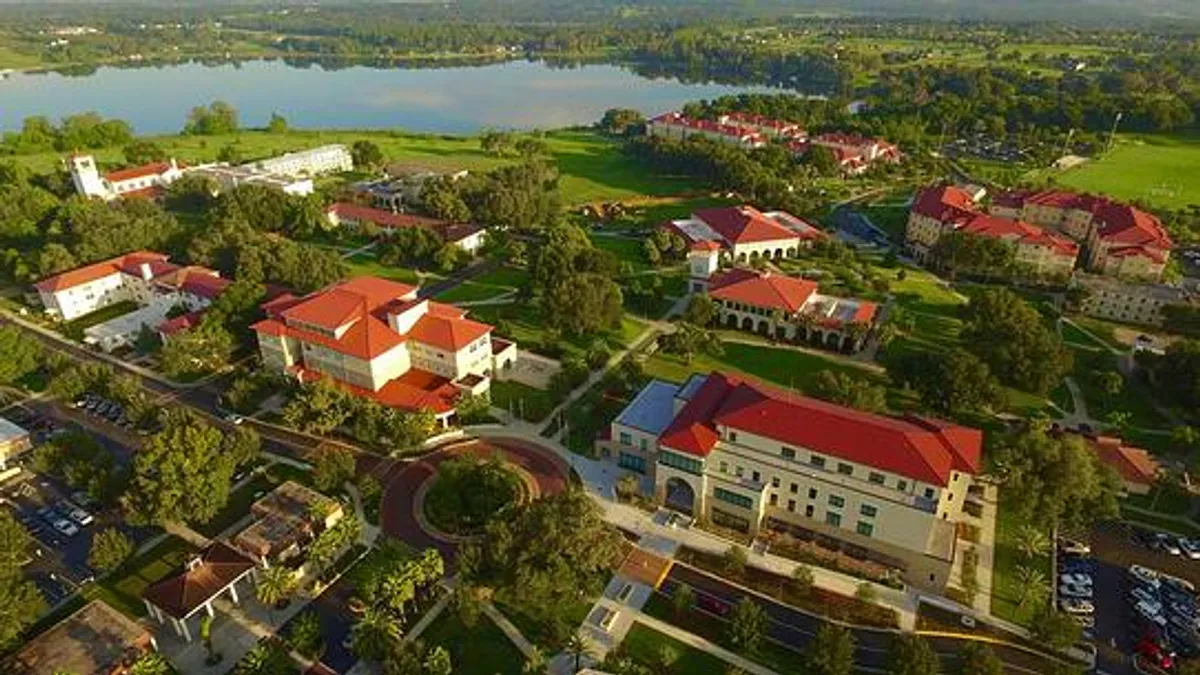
point(1112, 135)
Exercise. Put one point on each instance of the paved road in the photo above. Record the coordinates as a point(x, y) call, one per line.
point(796, 629)
point(466, 274)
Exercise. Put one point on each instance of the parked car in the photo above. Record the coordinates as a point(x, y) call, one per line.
point(79, 515)
point(1075, 591)
point(1141, 594)
point(1145, 575)
point(1073, 546)
point(1076, 578)
point(1085, 621)
point(1151, 613)
point(1076, 606)
point(1155, 654)
point(1166, 543)
point(1190, 548)
point(66, 527)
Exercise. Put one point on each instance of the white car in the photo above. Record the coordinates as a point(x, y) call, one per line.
point(1150, 614)
point(1075, 591)
point(1166, 543)
point(1145, 575)
point(1190, 548)
point(66, 527)
point(1078, 579)
point(1074, 547)
point(1076, 606)
point(1144, 597)
point(1085, 621)
point(80, 516)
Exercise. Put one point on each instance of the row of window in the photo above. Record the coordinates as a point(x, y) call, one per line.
point(733, 498)
point(835, 501)
point(680, 462)
point(817, 462)
point(627, 439)
point(834, 518)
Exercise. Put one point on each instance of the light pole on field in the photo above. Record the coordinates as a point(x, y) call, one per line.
point(1112, 135)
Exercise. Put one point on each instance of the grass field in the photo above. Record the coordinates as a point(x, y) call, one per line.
point(471, 291)
point(123, 589)
point(1006, 582)
point(1163, 170)
point(645, 646)
point(524, 401)
point(480, 650)
point(591, 167)
point(364, 264)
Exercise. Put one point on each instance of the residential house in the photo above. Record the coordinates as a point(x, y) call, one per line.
point(1109, 298)
point(677, 127)
point(95, 640)
point(378, 339)
point(1119, 240)
point(467, 237)
point(854, 154)
point(752, 457)
point(744, 234)
point(1138, 469)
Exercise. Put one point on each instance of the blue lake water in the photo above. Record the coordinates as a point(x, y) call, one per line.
point(516, 94)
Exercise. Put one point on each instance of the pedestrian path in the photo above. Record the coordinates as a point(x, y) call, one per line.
point(697, 642)
point(510, 631)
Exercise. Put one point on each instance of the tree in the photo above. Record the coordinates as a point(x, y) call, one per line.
point(1010, 336)
point(305, 635)
point(910, 654)
point(579, 646)
point(1176, 374)
point(1055, 629)
point(22, 354)
point(667, 656)
point(275, 586)
point(1034, 542)
point(110, 549)
point(472, 409)
point(822, 160)
point(977, 658)
point(181, 473)
point(682, 600)
point(1054, 481)
point(437, 662)
point(747, 625)
point(803, 580)
point(831, 651)
point(535, 662)
point(20, 598)
point(700, 310)
point(1111, 383)
point(584, 304)
point(144, 151)
point(865, 593)
point(266, 658)
point(1034, 587)
point(218, 118)
point(850, 391)
point(366, 155)
point(963, 251)
point(334, 466)
point(950, 382)
point(151, 663)
point(621, 121)
point(201, 349)
point(734, 560)
point(277, 124)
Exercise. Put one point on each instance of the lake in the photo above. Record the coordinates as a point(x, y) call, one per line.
point(455, 100)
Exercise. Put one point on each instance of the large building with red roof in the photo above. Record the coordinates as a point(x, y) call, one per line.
point(463, 235)
point(676, 126)
point(1118, 239)
point(854, 154)
point(752, 457)
point(743, 233)
point(1038, 252)
point(378, 339)
point(789, 308)
point(146, 180)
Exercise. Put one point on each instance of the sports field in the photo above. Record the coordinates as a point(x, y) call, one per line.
point(1162, 170)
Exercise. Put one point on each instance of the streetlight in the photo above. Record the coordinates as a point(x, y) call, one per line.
point(1113, 134)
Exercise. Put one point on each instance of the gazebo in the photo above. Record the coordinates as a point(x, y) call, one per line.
point(215, 570)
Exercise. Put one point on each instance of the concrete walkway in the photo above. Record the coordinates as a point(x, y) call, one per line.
point(427, 620)
point(181, 530)
point(510, 631)
point(697, 642)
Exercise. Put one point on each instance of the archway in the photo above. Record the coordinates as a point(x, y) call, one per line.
point(779, 254)
point(764, 327)
point(731, 320)
point(680, 496)
point(748, 324)
point(781, 331)
point(791, 253)
point(833, 340)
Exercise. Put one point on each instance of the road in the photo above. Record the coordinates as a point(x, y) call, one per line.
point(796, 629)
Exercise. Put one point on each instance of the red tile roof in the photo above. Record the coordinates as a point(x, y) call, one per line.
point(133, 173)
point(705, 245)
point(762, 289)
point(1020, 232)
point(1134, 465)
point(414, 390)
point(1116, 221)
point(180, 323)
point(447, 334)
point(450, 232)
point(180, 595)
point(945, 203)
point(130, 263)
point(735, 131)
point(744, 225)
point(920, 448)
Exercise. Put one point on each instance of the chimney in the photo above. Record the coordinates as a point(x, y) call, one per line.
point(147, 273)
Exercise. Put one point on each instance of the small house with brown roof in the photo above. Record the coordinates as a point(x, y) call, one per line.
point(1138, 469)
point(286, 519)
point(95, 640)
point(179, 599)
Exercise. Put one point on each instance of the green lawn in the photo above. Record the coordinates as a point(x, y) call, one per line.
point(75, 328)
point(1006, 582)
point(627, 250)
point(123, 588)
point(480, 650)
point(1133, 397)
point(524, 323)
point(1163, 170)
point(237, 506)
point(509, 277)
point(592, 168)
point(645, 646)
point(921, 291)
point(471, 291)
point(365, 264)
point(1105, 330)
point(528, 403)
point(1170, 500)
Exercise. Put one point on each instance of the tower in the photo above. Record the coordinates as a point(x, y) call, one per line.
point(704, 258)
point(87, 179)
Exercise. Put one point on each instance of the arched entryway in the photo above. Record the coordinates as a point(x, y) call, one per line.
point(747, 323)
point(731, 320)
point(680, 496)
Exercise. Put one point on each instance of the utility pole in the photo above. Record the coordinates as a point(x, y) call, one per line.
point(1112, 135)
point(1067, 143)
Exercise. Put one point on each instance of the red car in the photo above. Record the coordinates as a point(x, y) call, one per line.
point(1154, 654)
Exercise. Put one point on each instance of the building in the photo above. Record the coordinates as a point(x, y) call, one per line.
point(1109, 298)
point(285, 521)
point(1138, 470)
point(147, 180)
point(403, 186)
point(378, 339)
point(789, 308)
point(145, 278)
point(228, 177)
point(1119, 240)
point(854, 154)
point(947, 208)
point(677, 127)
point(333, 158)
point(467, 237)
point(768, 127)
point(14, 441)
point(95, 640)
point(752, 457)
point(179, 599)
point(743, 233)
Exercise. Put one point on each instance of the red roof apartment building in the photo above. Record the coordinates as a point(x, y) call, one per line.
point(743, 233)
point(753, 457)
point(378, 339)
point(467, 237)
point(947, 208)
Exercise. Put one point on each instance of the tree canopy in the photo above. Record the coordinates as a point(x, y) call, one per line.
point(1012, 338)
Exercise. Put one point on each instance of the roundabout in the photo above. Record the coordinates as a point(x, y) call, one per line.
point(520, 471)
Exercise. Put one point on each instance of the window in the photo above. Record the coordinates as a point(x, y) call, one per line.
point(738, 471)
point(680, 462)
point(631, 462)
point(795, 488)
point(836, 501)
point(928, 493)
point(845, 469)
point(626, 439)
point(817, 461)
point(774, 499)
point(834, 519)
point(876, 478)
point(775, 481)
point(812, 493)
point(724, 467)
point(868, 510)
point(865, 529)
point(734, 498)
point(756, 477)
point(642, 445)
point(902, 485)
point(733, 436)
point(788, 454)
point(792, 505)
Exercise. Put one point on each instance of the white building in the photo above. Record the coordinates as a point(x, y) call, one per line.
point(313, 162)
point(754, 458)
point(1116, 300)
point(229, 177)
point(144, 180)
point(463, 235)
point(743, 233)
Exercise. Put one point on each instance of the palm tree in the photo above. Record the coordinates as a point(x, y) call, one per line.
point(374, 634)
point(1034, 542)
point(1033, 584)
point(275, 585)
point(535, 662)
point(578, 646)
point(399, 587)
